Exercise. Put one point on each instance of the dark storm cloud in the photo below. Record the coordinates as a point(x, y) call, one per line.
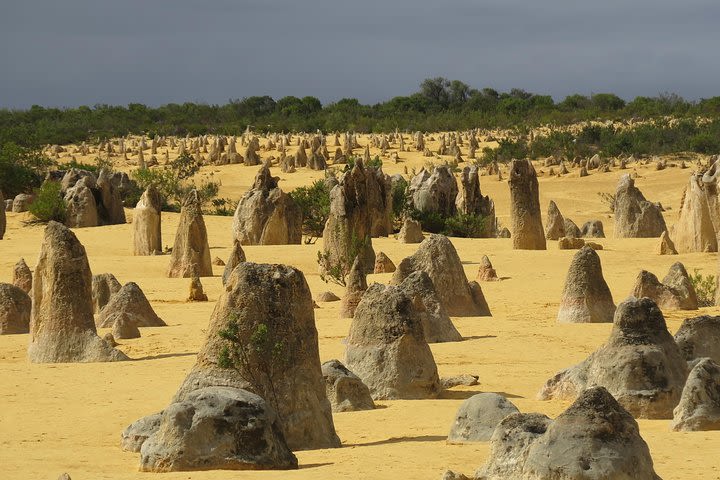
point(73, 52)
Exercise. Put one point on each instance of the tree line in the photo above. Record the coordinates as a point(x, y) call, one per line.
point(439, 104)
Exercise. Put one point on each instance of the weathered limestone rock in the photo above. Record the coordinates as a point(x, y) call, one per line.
point(345, 390)
point(137, 432)
point(125, 327)
point(694, 230)
point(196, 291)
point(463, 379)
point(21, 202)
point(436, 192)
point(571, 230)
point(22, 276)
point(347, 231)
point(593, 229)
point(62, 328)
point(191, 252)
point(667, 247)
point(676, 292)
point(555, 227)
point(266, 215)
point(641, 365)
point(104, 286)
point(486, 272)
point(130, 301)
point(356, 286)
point(437, 257)
point(436, 323)
point(15, 307)
point(699, 407)
point(527, 229)
point(699, 337)
point(570, 243)
point(635, 217)
point(470, 201)
point(147, 232)
point(379, 202)
point(383, 264)
point(410, 232)
point(593, 439)
point(237, 256)
point(327, 297)
point(386, 347)
point(81, 209)
point(477, 417)
point(110, 209)
point(277, 296)
point(217, 428)
point(586, 297)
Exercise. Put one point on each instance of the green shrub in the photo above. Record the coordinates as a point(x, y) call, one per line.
point(22, 169)
point(373, 163)
point(314, 202)
point(466, 226)
point(705, 287)
point(48, 203)
point(400, 199)
point(257, 353)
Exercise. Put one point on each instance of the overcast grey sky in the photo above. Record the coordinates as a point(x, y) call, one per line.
point(84, 52)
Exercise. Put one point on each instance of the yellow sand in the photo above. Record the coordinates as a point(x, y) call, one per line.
point(68, 417)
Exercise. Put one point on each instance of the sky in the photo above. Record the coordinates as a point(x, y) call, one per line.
point(65, 53)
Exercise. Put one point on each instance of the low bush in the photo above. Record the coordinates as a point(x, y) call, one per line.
point(48, 203)
point(314, 202)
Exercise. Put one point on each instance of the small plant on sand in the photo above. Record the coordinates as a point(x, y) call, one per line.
point(48, 203)
point(314, 201)
point(705, 287)
point(336, 270)
point(607, 199)
point(257, 352)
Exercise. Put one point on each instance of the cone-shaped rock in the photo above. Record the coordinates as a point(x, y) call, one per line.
point(477, 417)
point(191, 252)
point(356, 286)
point(699, 337)
point(386, 347)
point(104, 286)
point(15, 307)
point(436, 323)
point(110, 209)
point(124, 327)
point(641, 365)
point(694, 230)
point(81, 209)
point(596, 438)
point(197, 294)
point(278, 297)
point(676, 292)
point(131, 302)
point(527, 229)
point(571, 230)
point(62, 328)
point(217, 428)
point(555, 226)
point(266, 215)
point(667, 247)
point(147, 234)
point(411, 232)
point(586, 297)
point(345, 390)
point(22, 276)
point(699, 407)
point(383, 264)
point(347, 230)
point(437, 257)
point(486, 272)
point(237, 256)
point(635, 217)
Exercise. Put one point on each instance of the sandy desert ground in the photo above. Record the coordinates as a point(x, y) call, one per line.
point(68, 417)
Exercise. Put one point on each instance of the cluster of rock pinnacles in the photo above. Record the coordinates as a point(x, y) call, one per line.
point(220, 420)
